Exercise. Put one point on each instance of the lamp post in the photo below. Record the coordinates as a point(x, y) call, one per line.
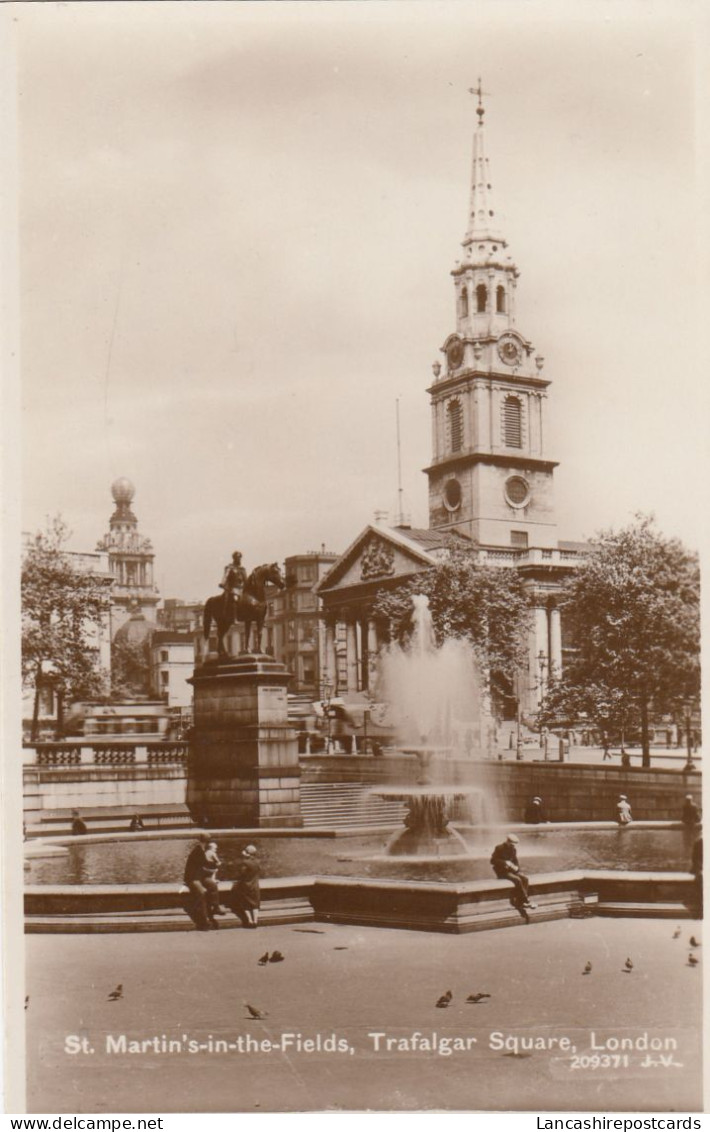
point(689, 765)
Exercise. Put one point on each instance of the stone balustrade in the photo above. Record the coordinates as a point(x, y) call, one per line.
point(79, 753)
point(533, 556)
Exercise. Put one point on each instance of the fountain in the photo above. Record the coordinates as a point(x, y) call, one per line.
point(431, 689)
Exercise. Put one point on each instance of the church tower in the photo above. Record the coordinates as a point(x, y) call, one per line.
point(490, 477)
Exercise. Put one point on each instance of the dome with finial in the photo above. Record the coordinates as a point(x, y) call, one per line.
point(122, 490)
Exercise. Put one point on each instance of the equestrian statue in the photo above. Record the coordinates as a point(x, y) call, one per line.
point(243, 599)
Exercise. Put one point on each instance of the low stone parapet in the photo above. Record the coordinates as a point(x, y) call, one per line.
point(452, 908)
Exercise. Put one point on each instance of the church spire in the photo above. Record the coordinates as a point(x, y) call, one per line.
point(481, 218)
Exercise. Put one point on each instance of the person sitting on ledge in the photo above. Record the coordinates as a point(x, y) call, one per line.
point(696, 868)
point(136, 824)
point(690, 816)
point(535, 813)
point(505, 866)
point(200, 880)
point(245, 896)
point(78, 825)
point(623, 810)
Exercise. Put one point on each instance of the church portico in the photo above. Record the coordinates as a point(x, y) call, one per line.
point(380, 557)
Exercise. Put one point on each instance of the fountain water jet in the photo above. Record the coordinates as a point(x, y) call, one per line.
point(432, 691)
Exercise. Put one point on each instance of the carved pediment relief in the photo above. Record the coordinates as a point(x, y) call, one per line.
point(377, 560)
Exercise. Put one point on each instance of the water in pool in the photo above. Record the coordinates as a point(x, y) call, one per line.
point(539, 851)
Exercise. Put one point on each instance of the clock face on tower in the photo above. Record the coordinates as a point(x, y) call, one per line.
point(509, 350)
point(454, 353)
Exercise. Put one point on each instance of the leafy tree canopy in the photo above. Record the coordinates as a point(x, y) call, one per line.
point(130, 668)
point(62, 610)
point(483, 604)
point(633, 609)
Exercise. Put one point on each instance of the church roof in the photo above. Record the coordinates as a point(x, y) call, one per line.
point(413, 554)
point(433, 539)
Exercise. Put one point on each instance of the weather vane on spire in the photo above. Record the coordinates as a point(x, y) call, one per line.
point(480, 109)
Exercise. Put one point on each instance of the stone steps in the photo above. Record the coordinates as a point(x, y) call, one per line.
point(343, 805)
point(668, 910)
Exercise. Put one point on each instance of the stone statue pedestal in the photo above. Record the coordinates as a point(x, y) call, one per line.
point(243, 768)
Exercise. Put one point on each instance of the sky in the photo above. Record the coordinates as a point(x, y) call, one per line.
point(236, 229)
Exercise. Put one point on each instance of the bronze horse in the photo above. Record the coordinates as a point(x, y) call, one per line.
point(249, 609)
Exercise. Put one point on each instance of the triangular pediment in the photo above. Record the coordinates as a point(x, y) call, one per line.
point(378, 554)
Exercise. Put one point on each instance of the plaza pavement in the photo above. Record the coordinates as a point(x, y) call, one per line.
point(666, 758)
point(352, 982)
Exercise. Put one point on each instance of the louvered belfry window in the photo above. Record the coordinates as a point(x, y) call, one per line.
point(512, 423)
point(455, 425)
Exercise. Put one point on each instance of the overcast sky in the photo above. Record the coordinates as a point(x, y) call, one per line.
point(237, 224)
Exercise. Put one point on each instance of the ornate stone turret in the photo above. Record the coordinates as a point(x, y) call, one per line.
point(489, 478)
point(130, 558)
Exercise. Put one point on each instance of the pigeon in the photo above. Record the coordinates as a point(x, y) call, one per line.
point(255, 1012)
point(444, 1001)
point(694, 942)
point(587, 968)
point(476, 998)
point(116, 994)
point(264, 959)
point(676, 933)
point(276, 957)
point(693, 960)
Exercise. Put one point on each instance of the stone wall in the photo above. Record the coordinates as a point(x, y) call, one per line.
point(92, 788)
point(570, 791)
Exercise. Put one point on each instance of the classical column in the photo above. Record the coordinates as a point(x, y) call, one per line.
point(555, 643)
point(351, 656)
point(363, 655)
point(372, 654)
point(331, 663)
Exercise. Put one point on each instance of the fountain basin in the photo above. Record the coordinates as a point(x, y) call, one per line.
point(148, 858)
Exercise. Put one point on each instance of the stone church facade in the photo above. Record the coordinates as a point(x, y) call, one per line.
point(490, 477)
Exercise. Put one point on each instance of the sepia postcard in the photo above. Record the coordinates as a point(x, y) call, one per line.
point(353, 483)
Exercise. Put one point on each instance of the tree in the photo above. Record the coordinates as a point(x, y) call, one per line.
point(62, 612)
point(485, 605)
point(130, 668)
point(633, 609)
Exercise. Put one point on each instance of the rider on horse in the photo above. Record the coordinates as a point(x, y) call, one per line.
point(242, 599)
point(234, 579)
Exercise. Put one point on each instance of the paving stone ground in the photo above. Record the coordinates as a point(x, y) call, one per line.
point(351, 983)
